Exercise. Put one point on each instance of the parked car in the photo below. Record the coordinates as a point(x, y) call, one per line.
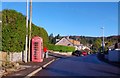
point(84, 53)
point(77, 53)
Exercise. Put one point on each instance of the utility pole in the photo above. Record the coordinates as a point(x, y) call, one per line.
point(1, 41)
point(26, 44)
point(30, 30)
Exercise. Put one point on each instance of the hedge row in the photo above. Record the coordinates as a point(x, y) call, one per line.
point(61, 48)
point(14, 31)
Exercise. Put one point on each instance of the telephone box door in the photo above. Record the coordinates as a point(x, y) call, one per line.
point(37, 47)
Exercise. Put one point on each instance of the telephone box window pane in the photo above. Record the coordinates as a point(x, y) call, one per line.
point(35, 49)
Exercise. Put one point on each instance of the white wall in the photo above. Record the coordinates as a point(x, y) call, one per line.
point(114, 55)
point(16, 57)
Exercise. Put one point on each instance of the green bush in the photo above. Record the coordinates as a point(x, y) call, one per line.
point(41, 32)
point(60, 48)
point(14, 31)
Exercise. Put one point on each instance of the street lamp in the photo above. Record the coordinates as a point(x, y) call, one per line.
point(103, 39)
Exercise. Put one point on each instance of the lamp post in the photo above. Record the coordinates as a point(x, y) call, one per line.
point(103, 39)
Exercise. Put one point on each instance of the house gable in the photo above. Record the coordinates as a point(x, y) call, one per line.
point(64, 42)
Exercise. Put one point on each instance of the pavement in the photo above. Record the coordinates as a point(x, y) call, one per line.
point(30, 68)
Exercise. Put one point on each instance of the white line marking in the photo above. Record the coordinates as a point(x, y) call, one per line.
point(34, 72)
point(48, 63)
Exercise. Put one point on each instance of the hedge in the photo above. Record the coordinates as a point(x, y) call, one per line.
point(61, 48)
point(14, 31)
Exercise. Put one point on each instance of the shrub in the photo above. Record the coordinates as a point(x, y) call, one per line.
point(14, 31)
point(61, 48)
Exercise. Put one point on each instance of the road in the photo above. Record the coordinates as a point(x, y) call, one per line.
point(79, 66)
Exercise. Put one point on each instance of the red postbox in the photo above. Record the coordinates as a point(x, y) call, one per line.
point(37, 47)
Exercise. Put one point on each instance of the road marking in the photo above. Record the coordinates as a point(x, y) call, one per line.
point(39, 69)
point(48, 63)
point(34, 72)
point(57, 58)
point(17, 74)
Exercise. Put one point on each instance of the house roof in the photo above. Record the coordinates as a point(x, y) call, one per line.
point(67, 42)
point(75, 42)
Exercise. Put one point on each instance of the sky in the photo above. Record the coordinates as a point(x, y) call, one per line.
point(72, 18)
point(62, 0)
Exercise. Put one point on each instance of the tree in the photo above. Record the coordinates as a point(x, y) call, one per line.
point(51, 38)
point(96, 45)
point(90, 42)
point(58, 36)
point(83, 41)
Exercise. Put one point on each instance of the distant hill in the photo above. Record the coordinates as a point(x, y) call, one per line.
point(89, 40)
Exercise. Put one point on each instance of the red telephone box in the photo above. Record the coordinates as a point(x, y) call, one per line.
point(37, 47)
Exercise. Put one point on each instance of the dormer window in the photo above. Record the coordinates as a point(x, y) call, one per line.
point(68, 44)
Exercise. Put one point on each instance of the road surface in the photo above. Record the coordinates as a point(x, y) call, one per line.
point(79, 66)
